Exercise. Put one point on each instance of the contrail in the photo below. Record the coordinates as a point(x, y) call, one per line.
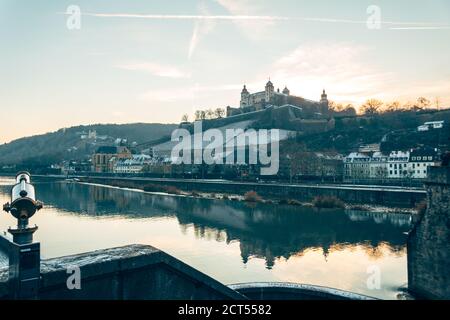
point(421, 28)
point(394, 24)
point(185, 17)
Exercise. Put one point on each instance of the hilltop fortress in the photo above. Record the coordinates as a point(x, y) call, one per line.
point(251, 102)
point(274, 109)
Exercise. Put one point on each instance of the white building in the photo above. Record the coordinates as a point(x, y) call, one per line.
point(398, 165)
point(431, 125)
point(411, 164)
point(134, 165)
point(420, 160)
point(379, 166)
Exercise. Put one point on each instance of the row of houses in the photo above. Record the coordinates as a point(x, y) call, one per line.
point(119, 159)
point(412, 164)
point(366, 164)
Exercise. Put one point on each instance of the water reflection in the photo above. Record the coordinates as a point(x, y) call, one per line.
point(263, 230)
point(299, 244)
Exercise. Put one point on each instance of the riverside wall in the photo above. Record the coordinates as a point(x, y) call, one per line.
point(389, 196)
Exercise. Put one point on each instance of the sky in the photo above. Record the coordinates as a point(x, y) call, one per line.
point(153, 61)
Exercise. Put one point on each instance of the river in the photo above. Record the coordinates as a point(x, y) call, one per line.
point(231, 241)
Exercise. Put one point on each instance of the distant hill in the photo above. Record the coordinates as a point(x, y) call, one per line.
point(395, 131)
point(74, 143)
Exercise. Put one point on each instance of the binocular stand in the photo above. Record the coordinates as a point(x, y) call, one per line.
point(24, 263)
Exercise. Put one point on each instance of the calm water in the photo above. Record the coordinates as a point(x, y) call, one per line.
point(231, 241)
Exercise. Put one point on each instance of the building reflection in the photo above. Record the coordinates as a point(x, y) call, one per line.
point(265, 231)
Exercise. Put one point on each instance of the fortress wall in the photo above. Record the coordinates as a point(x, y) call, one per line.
point(429, 241)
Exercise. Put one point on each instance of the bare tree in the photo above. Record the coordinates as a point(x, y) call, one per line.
point(423, 102)
point(219, 113)
point(437, 103)
point(209, 114)
point(393, 106)
point(371, 106)
point(185, 118)
point(200, 115)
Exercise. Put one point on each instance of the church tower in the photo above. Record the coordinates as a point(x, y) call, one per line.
point(270, 90)
point(245, 95)
point(324, 102)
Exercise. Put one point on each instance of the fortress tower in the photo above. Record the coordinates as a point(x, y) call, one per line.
point(269, 91)
point(245, 95)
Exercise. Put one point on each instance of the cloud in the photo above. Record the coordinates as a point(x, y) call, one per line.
point(348, 76)
point(343, 69)
point(165, 71)
point(338, 67)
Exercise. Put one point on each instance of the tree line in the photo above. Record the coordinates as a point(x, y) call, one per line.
point(376, 106)
point(207, 114)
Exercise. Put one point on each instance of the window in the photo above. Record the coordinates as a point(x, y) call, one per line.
point(390, 171)
point(430, 158)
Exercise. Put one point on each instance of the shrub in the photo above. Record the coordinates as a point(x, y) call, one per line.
point(291, 202)
point(252, 196)
point(172, 190)
point(159, 188)
point(328, 202)
point(294, 202)
point(195, 193)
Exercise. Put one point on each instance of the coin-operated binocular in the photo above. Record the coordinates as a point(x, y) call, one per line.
point(23, 206)
point(24, 255)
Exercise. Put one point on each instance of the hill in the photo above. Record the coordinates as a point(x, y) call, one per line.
point(395, 131)
point(75, 143)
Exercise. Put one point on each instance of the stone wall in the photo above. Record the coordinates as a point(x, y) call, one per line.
point(131, 272)
point(429, 241)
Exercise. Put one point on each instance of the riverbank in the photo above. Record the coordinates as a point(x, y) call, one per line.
point(250, 197)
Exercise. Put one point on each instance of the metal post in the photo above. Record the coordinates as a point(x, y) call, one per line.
point(24, 255)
